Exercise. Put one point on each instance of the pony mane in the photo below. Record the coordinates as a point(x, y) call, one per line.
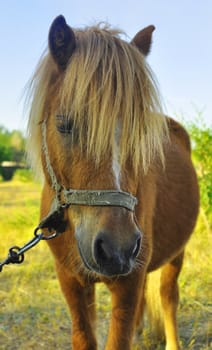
point(107, 84)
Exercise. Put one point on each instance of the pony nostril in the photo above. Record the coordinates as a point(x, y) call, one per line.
point(98, 250)
point(136, 248)
point(102, 251)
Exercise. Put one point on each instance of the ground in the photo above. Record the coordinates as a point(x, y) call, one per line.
point(33, 313)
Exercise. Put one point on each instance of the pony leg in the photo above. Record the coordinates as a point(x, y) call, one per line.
point(169, 300)
point(80, 299)
point(125, 301)
point(140, 311)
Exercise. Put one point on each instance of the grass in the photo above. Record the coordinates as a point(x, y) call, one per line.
point(33, 313)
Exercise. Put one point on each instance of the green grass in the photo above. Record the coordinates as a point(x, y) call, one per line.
point(33, 313)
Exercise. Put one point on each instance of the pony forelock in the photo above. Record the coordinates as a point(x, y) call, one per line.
point(107, 84)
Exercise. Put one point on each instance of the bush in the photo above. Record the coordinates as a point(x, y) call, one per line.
point(23, 175)
point(201, 137)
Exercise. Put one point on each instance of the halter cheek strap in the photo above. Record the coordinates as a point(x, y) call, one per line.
point(84, 197)
point(55, 185)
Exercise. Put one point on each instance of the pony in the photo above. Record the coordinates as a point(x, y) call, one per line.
point(121, 173)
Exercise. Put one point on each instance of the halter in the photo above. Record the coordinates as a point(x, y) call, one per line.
point(67, 197)
point(54, 221)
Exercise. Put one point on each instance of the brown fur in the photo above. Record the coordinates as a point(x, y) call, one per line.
point(106, 89)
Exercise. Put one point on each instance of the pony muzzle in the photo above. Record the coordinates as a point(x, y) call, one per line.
point(113, 259)
point(109, 253)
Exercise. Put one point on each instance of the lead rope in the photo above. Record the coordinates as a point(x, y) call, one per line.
point(54, 221)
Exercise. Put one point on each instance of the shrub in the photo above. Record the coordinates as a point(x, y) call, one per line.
point(23, 175)
point(201, 137)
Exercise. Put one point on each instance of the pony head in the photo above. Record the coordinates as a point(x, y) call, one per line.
point(98, 100)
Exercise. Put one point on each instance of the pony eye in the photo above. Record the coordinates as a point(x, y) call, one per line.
point(64, 124)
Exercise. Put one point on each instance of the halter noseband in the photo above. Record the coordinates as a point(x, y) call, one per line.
point(100, 198)
point(115, 198)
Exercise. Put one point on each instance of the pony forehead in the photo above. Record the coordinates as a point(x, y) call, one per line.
point(106, 64)
point(97, 45)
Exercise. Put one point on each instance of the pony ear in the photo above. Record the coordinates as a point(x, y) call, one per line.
point(143, 39)
point(62, 42)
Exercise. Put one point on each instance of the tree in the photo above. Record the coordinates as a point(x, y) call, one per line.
point(12, 145)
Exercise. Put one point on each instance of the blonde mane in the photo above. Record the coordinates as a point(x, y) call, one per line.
point(107, 83)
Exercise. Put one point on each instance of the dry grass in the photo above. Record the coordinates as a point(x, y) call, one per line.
point(33, 314)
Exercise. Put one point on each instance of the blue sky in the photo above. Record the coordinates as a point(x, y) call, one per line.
point(181, 54)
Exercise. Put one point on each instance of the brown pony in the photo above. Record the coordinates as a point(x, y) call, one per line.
point(123, 175)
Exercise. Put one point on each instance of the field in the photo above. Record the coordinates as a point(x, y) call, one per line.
point(33, 313)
